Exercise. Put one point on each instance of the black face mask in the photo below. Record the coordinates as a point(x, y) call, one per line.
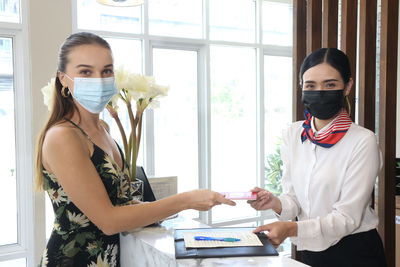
point(323, 104)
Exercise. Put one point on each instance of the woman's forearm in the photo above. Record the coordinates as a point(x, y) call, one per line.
point(123, 218)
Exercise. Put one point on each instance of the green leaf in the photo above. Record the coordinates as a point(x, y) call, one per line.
point(70, 250)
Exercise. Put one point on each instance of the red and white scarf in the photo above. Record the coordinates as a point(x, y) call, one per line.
point(329, 136)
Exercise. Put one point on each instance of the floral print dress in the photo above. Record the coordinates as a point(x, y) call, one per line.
point(75, 240)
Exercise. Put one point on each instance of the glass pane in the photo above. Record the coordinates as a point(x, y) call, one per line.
point(277, 23)
point(9, 11)
point(14, 263)
point(232, 20)
point(277, 116)
point(127, 52)
point(233, 126)
point(180, 18)
point(175, 122)
point(8, 194)
point(95, 16)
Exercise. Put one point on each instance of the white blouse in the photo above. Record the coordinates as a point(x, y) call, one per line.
point(329, 189)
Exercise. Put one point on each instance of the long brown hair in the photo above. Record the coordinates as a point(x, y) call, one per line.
point(62, 106)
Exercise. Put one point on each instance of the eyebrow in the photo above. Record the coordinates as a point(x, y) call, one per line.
point(324, 81)
point(88, 66)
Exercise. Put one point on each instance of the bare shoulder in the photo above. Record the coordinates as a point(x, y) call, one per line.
point(62, 135)
point(63, 140)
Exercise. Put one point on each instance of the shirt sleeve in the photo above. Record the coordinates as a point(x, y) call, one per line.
point(289, 202)
point(355, 196)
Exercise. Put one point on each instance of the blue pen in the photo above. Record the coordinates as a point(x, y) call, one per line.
point(208, 238)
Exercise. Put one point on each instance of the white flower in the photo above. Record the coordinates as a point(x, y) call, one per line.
point(137, 86)
point(92, 246)
point(140, 87)
point(57, 196)
point(100, 262)
point(158, 90)
point(57, 227)
point(122, 78)
point(112, 251)
point(79, 219)
point(45, 260)
point(48, 92)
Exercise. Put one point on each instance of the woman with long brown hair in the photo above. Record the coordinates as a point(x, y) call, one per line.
point(82, 168)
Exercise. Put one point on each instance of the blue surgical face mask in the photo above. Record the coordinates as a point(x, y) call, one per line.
point(93, 94)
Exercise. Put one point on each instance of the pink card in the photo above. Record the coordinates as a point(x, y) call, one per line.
point(240, 195)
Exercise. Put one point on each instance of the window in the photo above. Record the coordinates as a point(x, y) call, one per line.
point(8, 181)
point(233, 125)
point(277, 23)
point(236, 24)
point(179, 18)
point(277, 115)
point(230, 88)
point(9, 11)
point(15, 161)
point(171, 136)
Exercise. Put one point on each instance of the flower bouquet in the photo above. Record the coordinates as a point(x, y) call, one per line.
point(138, 92)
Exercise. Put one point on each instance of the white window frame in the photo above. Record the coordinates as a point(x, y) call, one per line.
point(202, 46)
point(24, 248)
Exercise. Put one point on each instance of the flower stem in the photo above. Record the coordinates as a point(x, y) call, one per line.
point(115, 116)
point(132, 141)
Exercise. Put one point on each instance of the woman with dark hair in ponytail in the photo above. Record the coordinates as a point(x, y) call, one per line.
point(330, 166)
point(82, 168)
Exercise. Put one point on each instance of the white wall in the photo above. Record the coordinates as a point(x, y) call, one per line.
point(50, 22)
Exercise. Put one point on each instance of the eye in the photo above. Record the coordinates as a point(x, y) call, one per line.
point(85, 72)
point(108, 71)
point(308, 86)
point(330, 85)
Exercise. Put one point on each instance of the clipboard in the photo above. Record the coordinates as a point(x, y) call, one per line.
point(181, 252)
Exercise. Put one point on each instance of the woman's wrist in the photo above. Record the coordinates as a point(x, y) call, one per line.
point(183, 201)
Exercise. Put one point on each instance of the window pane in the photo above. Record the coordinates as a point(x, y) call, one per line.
point(180, 18)
point(95, 16)
point(233, 126)
point(175, 122)
point(9, 11)
point(232, 20)
point(278, 114)
point(8, 199)
point(127, 52)
point(14, 263)
point(277, 23)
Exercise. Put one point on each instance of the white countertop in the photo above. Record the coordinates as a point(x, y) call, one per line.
point(154, 247)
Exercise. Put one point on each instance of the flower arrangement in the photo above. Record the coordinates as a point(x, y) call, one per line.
point(138, 92)
point(142, 92)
